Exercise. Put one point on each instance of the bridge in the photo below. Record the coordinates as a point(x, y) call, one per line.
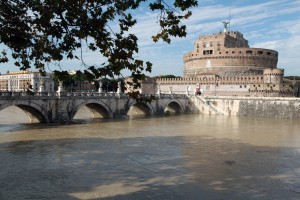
point(62, 107)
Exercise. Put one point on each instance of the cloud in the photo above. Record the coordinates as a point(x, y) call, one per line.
point(266, 25)
point(288, 47)
point(273, 24)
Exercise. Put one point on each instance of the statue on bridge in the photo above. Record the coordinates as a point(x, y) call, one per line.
point(119, 90)
point(42, 85)
point(60, 86)
point(100, 86)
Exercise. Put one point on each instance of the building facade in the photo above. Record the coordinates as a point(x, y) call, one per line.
point(23, 81)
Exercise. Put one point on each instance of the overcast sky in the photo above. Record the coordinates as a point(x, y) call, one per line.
point(270, 24)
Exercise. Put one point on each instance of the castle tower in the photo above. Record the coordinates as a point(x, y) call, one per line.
point(273, 76)
point(227, 54)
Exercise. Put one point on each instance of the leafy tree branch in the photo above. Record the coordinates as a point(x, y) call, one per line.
point(37, 32)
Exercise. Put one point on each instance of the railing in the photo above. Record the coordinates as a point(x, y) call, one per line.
point(80, 94)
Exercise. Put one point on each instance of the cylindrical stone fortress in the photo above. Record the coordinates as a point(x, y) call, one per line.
point(227, 54)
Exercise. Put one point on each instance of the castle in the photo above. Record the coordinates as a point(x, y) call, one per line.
point(223, 64)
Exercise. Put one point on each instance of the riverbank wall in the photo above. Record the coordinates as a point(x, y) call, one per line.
point(248, 106)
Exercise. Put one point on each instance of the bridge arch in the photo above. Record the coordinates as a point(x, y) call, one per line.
point(97, 108)
point(139, 109)
point(31, 109)
point(173, 107)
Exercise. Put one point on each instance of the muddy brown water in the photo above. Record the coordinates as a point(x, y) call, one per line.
point(177, 157)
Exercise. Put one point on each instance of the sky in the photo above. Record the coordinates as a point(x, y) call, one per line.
point(270, 24)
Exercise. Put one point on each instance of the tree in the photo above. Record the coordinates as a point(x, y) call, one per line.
point(37, 32)
point(70, 80)
point(169, 76)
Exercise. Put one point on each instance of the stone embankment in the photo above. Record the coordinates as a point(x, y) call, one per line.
point(248, 106)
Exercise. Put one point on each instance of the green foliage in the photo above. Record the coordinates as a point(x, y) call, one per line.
point(111, 85)
point(292, 77)
point(37, 32)
point(169, 76)
point(69, 80)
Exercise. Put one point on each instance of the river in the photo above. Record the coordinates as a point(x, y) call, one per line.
point(187, 157)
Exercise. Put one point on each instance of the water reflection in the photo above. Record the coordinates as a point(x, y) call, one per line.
point(13, 115)
point(178, 157)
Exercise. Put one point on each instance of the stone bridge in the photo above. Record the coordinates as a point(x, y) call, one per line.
point(58, 107)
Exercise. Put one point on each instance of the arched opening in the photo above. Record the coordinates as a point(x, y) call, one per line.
point(139, 110)
point(33, 114)
point(19, 114)
point(173, 108)
point(91, 110)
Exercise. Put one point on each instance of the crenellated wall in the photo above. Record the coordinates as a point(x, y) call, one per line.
point(209, 84)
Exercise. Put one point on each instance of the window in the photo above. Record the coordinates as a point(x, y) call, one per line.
point(207, 52)
point(259, 52)
point(249, 52)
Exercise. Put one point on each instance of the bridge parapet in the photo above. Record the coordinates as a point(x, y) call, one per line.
point(82, 94)
point(55, 95)
point(172, 96)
